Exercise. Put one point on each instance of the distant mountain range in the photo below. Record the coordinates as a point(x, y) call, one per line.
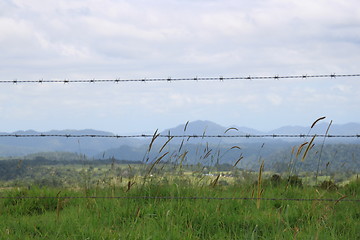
point(211, 128)
point(135, 147)
point(17, 146)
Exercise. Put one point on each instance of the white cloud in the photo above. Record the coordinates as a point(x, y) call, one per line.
point(138, 39)
point(195, 31)
point(341, 88)
point(274, 99)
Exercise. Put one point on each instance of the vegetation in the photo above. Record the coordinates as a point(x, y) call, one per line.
point(185, 218)
point(112, 199)
point(169, 195)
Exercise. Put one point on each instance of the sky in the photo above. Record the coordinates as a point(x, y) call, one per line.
point(137, 39)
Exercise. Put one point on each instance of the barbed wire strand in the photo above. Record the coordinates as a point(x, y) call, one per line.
point(183, 198)
point(180, 136)
point(169, 79)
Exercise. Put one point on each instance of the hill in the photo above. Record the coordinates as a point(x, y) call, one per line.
point(135, 148)
point(16, 146)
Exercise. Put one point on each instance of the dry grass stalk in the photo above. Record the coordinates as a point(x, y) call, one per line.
point(291, 165)
point(316, 121)
point(153, 139)
point(186, 126)
point(181, 145)
point(170, 138)
point(207, 148)
point(321, 150)
point(207, 154)
point(308, 148)
point(137, 213)
point(300, 149)
point(58, 206)
point(259, 190)
point(156, 162)
point(341, 198)
point(129, 185)
point(213, 184)
point(235, 147)
point(232, 128)
point(241, 157)
point(296, 232)
point(203, 136)
point(182, 158)
point(293, 150)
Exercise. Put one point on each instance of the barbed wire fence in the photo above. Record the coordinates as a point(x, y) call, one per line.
point(343, 199)
point(189, 136)
point(169, 136)
point(170, 79)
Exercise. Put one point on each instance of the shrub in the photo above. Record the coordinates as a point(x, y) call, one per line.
point(275, 179)
point(328, 185)
point(295, 181)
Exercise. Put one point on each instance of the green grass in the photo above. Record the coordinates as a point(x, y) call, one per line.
point(181, 218)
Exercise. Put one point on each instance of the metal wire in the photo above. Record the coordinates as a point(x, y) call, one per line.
point(180, 136)
point(184, 198)
point(169, 79)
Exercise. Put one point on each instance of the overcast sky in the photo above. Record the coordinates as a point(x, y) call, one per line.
point(93, 39)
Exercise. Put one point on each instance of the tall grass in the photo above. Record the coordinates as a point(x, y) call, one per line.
point(191, 208)
point(321, 151)
point(181, 218)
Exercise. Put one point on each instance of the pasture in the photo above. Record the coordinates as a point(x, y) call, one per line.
point(182, 207)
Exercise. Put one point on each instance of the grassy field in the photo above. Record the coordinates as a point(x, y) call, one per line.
point(184, 218)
